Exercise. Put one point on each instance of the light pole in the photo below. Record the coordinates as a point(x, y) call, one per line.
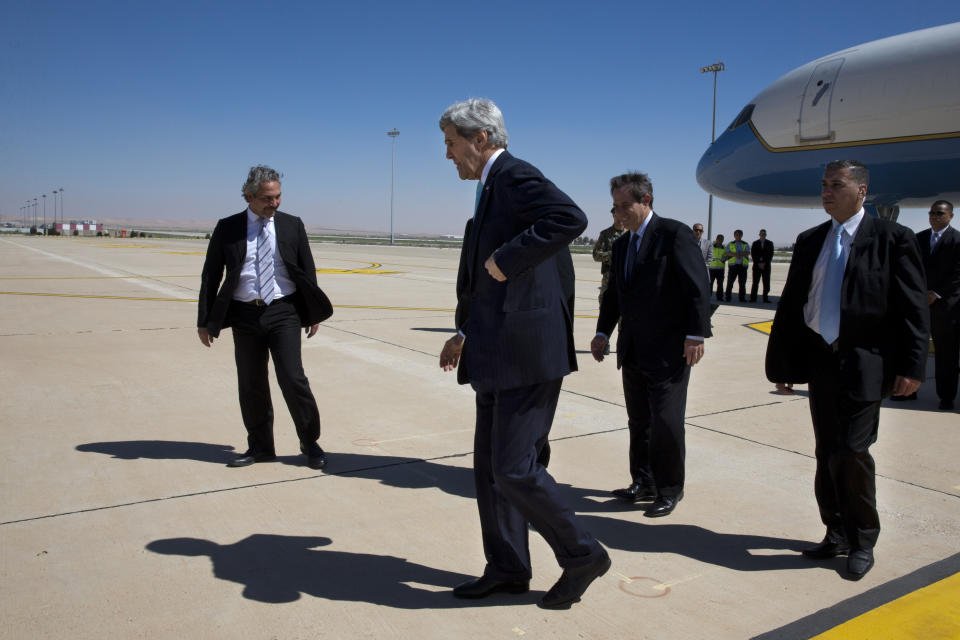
point(61, 209)
point(44, 196)
point(393, 133)
point(713, 68)
point(34, 213)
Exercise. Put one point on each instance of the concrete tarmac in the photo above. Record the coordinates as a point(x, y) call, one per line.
point(120, 518)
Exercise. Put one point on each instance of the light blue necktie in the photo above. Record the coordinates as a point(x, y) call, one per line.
point(476, 203)
point(832, 286)
point(266, 284)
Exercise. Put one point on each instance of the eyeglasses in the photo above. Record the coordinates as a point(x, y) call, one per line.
point(697, 230)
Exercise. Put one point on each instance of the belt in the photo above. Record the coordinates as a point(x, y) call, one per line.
point(257, 302)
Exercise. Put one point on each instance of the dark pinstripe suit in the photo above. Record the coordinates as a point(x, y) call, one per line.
point(518, 347)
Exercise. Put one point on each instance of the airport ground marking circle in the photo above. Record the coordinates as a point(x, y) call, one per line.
point(634, 580)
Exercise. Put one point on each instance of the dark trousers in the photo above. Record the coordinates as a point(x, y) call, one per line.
point(844, 429)
point(274, 331)
point(656, 407)
point(946, 343)
point(513, 489)
point(737, 272)
point(759, 274)
point(717, 274)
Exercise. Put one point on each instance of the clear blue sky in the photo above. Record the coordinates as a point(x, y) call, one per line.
point(156, 110)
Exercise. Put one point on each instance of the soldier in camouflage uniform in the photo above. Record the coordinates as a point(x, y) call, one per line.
point(602, 252)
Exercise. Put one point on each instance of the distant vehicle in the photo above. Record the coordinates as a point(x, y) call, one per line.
point(893, 104)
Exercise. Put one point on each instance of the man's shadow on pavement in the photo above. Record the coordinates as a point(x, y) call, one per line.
point(730, 550)
point(163, 450)
point(279, 569)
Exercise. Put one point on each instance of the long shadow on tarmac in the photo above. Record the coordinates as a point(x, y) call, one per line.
point(727, 550)
point(278, 569)
point(162, 450)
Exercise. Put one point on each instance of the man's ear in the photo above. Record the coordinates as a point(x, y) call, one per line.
point(481, 139)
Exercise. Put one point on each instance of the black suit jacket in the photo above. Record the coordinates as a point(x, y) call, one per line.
point(762, 251)
point(228, 249)
point(666, 299)
point(943, 268)
point(518, 332)
point(884, 320)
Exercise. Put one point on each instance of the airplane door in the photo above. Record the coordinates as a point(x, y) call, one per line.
point(815, 108)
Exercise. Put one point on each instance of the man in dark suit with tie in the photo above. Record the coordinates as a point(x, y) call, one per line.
point(514, 345)
point(762, 253)
point(270, 291)
point(940, 249)
point(852, 322)
point(659, 292)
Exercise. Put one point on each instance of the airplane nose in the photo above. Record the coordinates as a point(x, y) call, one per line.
point(714, 171)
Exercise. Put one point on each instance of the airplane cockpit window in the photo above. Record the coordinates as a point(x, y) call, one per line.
point(742, 118)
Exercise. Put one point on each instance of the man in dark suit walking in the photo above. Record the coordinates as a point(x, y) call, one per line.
point(270, 291)
point(852, 322)
point(514, 345)
point(940, 249)
point(762, 253)
point(659, 292)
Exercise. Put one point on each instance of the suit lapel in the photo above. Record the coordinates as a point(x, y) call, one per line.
point(861, 244)
point(649, 239)
point(480, 215)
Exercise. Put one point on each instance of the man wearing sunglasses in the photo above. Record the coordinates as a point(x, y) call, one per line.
point(940, 250)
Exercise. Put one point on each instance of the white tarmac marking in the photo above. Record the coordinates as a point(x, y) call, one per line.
point(169, 291)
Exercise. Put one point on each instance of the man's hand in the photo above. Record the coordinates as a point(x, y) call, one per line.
point(491, 266)
point(450, 355)
point(931, 297)
point(205, 336)
point(311, 330)
point(597, 346)
point(692, 351)
point(904, 386)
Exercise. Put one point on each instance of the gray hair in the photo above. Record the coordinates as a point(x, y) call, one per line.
point(858, 171)
point(257, 176)
point(475, 115)
point(639, 184)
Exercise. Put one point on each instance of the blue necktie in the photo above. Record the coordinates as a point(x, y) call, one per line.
point(832, 286)
point(476, 203)
point(265, 280)
point(633, 247)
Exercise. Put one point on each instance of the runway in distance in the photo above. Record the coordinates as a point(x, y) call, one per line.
point(893, 104)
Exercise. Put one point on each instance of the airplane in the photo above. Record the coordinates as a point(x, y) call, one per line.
point(893, 104)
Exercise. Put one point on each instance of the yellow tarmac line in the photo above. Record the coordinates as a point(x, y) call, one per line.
point(93, 277)
point(925, 614)
point(337, 306)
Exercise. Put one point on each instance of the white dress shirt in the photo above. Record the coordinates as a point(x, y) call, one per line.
point(247, 290)
point(811, 310)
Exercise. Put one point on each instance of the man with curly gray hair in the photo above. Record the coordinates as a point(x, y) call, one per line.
point(514, 345)
point(269, 292)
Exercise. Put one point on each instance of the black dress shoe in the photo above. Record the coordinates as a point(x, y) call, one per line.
point(573, 582)
point(859, 562)
point(249, 458)
point(636, 491)
point(827, 549)
point(316, 458)
point(663, 506)
point(486, 585)
point(945, 405)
